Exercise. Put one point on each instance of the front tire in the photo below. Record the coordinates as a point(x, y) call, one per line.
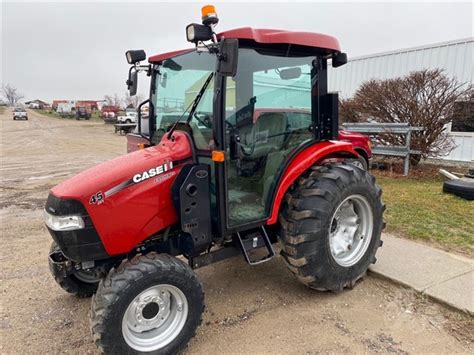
point(331, 226)
point(150, 304)
point(81, 284)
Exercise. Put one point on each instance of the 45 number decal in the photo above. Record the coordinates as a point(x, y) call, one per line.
point(97, 199)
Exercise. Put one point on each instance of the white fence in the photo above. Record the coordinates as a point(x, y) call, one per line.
point(464, 150)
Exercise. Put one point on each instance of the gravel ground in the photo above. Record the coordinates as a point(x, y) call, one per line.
point(249, 310)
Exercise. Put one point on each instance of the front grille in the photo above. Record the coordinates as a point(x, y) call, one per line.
point(59, 207)
point(81, 244)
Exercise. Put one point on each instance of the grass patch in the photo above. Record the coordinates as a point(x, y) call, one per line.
point(94, 117)
point(48, 113)
point(418, 209)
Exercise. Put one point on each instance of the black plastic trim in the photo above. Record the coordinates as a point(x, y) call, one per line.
point(80, 244)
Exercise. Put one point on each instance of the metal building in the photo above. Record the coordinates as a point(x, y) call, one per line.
point(455, 57)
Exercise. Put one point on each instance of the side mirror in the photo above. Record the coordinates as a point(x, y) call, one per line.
point(135, 56)
point(339, 59)
point(228, 57)
point(139, 120)
point(132, 82)
point(290, 73)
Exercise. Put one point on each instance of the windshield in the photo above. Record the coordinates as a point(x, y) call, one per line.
point(179, 81)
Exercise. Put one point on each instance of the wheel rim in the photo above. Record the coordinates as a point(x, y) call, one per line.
point(358, 163)
point(86, 276)
point(155, 318)
point(350, 231)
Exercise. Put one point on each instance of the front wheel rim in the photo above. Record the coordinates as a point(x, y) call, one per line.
point(87, 276)
point(350, 230)
point(155, 318)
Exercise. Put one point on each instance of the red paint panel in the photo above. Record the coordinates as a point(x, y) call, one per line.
point(133, 140)
point(160, 57)
point(131, 215)
point(302, 162)
point(358, 141)
point(273, 36)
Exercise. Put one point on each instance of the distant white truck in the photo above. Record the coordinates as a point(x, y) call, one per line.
point(129, 117)
point(65, 109)
point(19, 113)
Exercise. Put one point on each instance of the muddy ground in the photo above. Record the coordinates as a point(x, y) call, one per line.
point(249, 310)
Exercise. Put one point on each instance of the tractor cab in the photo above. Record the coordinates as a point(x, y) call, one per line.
point(243, 100)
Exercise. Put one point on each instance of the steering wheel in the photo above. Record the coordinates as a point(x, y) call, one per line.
point(203, 118)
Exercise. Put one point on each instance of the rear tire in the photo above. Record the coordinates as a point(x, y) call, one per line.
point(150, 304)
point(323, 225)
point(83, 284)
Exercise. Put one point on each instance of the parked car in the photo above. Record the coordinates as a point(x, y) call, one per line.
point(129, 117)
point(109, 116)
point(19, 113)
point(83, 112)
point(109, 113)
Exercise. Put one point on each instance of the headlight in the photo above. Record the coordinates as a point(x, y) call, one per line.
point(63, 223)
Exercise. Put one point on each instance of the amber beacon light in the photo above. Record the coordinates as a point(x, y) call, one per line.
point(209, 15)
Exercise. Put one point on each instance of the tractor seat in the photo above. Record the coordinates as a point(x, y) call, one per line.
point(265, 136)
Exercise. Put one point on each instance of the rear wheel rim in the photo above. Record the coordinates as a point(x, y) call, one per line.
point(155, 318)
point(350, 231)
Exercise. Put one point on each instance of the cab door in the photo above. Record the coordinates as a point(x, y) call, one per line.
point(267, 116)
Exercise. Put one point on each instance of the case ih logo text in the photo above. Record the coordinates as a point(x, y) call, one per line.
point(152, 172)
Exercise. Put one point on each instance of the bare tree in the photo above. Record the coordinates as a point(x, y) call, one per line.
point(425, 98)
point(113, 100)
point(132, 101)
point(11, 94)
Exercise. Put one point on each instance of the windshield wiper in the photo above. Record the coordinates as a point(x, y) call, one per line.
point(194, 104)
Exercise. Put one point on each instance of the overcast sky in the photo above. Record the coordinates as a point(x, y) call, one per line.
point(76, 50)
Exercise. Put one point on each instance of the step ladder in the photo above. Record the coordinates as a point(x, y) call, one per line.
point(254, 240)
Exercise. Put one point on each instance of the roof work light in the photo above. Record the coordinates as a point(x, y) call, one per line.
point(198, 33)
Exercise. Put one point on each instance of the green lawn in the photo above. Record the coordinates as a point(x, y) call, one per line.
point(418, 209)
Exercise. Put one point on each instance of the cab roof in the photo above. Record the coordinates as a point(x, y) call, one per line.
point(273, 36)
point(309, 40)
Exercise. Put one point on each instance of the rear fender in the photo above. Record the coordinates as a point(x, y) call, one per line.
point(301, 162)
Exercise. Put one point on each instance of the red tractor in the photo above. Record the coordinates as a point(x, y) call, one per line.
point(212, 183)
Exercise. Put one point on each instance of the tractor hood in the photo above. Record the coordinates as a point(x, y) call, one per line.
point(129, 198)
point(124, 172)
